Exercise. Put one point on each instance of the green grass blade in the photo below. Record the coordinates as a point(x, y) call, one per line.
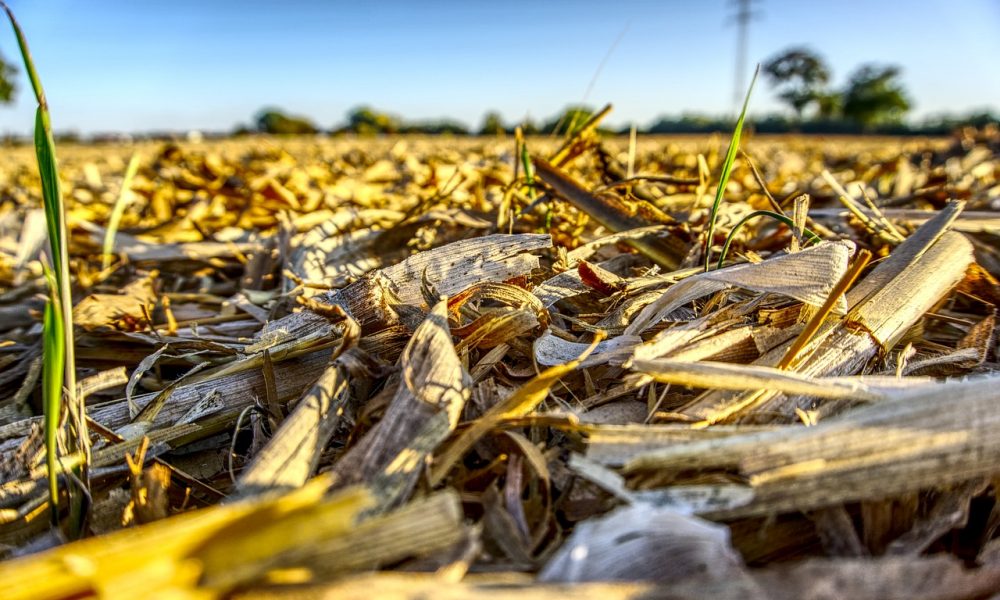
point(727, 168)
point(116, 213)
point(815, 239)
point(51, 195)
point(529, 179)
point(29, 66)
point(53, 364)
point(529, 174)
point(58, 335)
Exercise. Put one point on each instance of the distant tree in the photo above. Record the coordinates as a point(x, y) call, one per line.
point(492, 124)
point(529, 127)
point(829, 105)
point(365, 120)
point(66, 137)
point(242, 129)
point(569, 120)
point(874, 96)
point(274, 121)
point(800, 74)
point(447, 126)
point(773, 123)
point(983, 118)
point(443, 126)
point(690, 123)
point(7, 87)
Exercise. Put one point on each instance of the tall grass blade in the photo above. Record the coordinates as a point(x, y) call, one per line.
point(727, 168)
point(58, 335)
point(124, 195)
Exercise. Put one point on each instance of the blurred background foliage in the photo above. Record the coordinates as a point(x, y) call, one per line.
point(872, 100)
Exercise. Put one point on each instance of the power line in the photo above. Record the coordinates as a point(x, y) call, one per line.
point(744, 13)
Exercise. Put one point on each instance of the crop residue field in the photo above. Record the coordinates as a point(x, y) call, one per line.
point(463, 362)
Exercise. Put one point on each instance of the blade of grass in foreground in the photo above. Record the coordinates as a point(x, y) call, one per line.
point(58, 335)
point(727, 168)
point(53, 363)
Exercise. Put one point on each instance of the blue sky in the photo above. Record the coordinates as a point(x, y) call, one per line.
point(151, 64)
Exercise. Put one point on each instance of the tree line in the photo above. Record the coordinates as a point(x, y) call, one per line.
point(275, 122)
point(365, 120)
point(872, 100)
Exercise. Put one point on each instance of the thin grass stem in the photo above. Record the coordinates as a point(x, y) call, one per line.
point(727, 168)
point(124, 195)
point(762, 213)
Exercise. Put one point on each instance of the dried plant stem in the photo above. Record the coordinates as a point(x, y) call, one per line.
point(848, 279)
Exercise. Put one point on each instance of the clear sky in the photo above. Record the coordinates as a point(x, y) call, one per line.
point(141, 65)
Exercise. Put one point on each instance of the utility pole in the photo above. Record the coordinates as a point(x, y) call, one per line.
point(744, 13)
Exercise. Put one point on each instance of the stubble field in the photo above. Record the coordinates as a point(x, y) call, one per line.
point(470, 361)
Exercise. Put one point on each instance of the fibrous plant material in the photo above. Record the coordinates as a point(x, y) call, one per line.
point(874, 452)
point(212, 551)
point(335, 362)
point(431, 392)
point(617, 215)
point(290, 457)
point(874, 323)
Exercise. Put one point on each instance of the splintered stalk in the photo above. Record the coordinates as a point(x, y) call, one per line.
point(727, 168)
point(58, 336)
point(879, 225)
point(846, 281)
point(611, 212)
point(569, 148)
